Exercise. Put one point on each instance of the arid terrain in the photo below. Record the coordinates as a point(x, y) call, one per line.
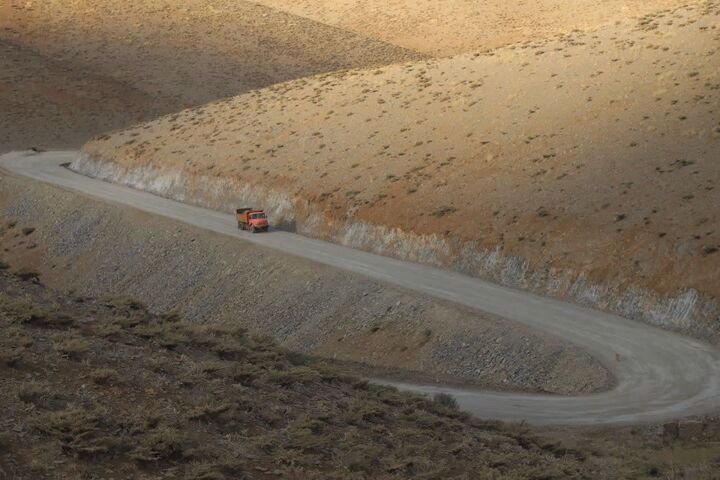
point(599, 192)
point(460, 26)
point(565, 148)
point(63, 81)
point(189, 53)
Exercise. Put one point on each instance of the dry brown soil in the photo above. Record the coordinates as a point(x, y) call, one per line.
point(69, 71)
point(596, 153)
point(457, 26)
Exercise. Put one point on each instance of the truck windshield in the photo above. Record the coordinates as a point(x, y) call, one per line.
point(257, 215)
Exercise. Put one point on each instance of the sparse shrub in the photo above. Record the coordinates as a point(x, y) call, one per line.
point(53, 319)
point(266, 443)
point(172, 316)
point(27, 230)
point(73, 347)
point(107, 329)
point(4, 265)
point(102, 376)
point(209, 411)
point(7, 440)
point(32, 392)
point(215, 471)
point(125, 303)
point(296, 375)
point(297, 358)
point(28, 275)
point(170, 338)
point(426, 336)
point(361, 384)
point(211, 367)
point(41, 396)
point(365, 412)
point(11, 356)
point(245, 374)
point(129, 313)
point(76, 430)
point(23, 311)
point(442, 211)
point(363, 458)
point(445, 400)
point(162, 444)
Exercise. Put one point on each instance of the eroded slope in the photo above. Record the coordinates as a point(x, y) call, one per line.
point(584, 167)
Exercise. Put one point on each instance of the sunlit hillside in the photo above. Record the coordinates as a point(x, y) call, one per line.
point(590, 157)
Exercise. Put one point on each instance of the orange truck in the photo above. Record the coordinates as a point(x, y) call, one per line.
point(252, 219)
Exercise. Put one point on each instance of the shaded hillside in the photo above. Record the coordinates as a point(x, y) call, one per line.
point(92, 389)
point(47, 104)
point(583, 167)
point(189, 52)
point(459, 26)
point(105, 389)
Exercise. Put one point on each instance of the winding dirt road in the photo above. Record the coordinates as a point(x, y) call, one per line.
point(660, 375)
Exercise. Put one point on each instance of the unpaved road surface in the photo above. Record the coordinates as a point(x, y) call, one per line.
point(660, 375)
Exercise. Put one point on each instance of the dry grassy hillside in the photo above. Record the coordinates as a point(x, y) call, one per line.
point(585, 166)
point(105, 389)
point(458, 26)
point(69, 71)
point(190, 52)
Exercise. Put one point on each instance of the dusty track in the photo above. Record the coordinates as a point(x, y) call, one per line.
point(660, 375)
